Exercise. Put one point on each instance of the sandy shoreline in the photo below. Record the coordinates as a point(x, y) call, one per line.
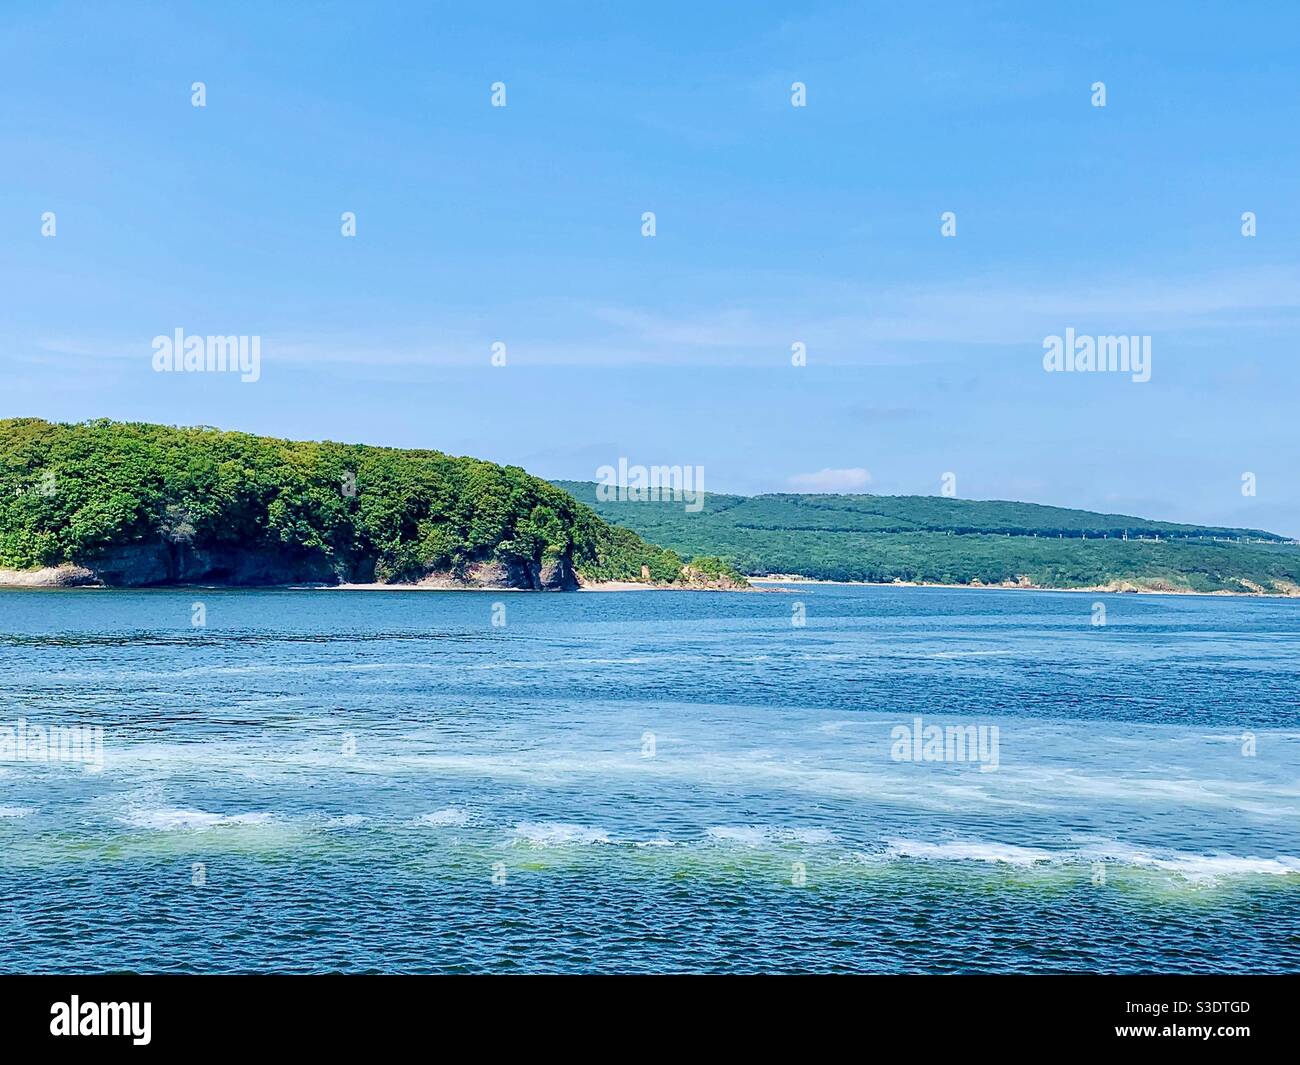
point(589, 586)
point(601, 586)
point(377, 587)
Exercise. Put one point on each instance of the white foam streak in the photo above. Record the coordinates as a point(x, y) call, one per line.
point(166, 820)
point(448, 817)
point(551, 834)
point(767, 835)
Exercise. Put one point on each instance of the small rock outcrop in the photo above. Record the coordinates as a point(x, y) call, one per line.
point(49, 577)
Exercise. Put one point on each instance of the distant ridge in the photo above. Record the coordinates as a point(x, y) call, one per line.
point(934, 539)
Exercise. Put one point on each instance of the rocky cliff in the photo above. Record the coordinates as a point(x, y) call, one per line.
point(162, 563)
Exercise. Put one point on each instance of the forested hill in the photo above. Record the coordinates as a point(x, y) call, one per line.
point(132, 503)
point(958, 541)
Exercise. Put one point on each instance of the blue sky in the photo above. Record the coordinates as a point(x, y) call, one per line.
point(775, 225)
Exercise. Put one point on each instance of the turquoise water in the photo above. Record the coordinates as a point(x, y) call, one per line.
point(650, 782)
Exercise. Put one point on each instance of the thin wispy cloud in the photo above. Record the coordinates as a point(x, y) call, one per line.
point(852, 479)
point(907, 324)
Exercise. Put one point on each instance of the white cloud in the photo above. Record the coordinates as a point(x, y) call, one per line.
point(841, 324)
point(853, 479)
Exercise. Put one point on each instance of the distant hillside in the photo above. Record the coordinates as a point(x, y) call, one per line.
point(959, 541)
point(138, 504)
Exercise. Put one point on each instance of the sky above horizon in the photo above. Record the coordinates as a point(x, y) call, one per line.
point(775, 225)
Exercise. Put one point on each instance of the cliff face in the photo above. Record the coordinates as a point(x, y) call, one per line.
point(163, 563)
point(555, 576)
point(137, 565)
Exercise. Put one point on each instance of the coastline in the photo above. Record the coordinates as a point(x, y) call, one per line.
point(590, 586)
point(77, 577)
point(1114, 588)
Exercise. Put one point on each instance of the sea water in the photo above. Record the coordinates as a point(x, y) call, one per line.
point(317, 780)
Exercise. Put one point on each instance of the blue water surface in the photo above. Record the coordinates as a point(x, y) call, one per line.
point(326, 780)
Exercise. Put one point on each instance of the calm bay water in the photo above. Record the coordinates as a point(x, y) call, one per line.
point(386, 781)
